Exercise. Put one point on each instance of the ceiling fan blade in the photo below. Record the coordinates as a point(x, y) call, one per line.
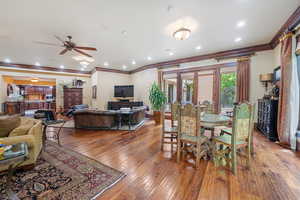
point(86, 48)
point(47, 43)
point(81, 52)
point(63, 51)
point(59, 38)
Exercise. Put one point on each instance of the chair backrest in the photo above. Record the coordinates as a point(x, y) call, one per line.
point(242, 122)
point(175, 111)
point(208, 107)
point(189, 117)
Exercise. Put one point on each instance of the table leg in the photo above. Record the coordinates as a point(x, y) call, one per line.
point(44, 136)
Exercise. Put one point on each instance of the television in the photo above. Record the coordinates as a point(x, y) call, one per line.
point(277, 74)
point(124, 91)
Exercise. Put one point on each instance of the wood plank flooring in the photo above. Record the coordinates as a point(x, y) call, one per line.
point(154, 174)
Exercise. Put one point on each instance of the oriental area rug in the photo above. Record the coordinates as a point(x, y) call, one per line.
point(62, 174)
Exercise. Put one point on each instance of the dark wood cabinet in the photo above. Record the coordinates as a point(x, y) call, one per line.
point(117, 105)
point(72, 97)
point(12, 108)
point(267, 118)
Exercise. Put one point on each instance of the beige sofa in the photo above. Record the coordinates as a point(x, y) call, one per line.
point(29, 131)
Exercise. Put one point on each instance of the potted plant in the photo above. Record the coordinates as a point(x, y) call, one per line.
point(157, 99)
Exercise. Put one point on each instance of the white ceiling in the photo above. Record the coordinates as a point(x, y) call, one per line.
point(149, 26)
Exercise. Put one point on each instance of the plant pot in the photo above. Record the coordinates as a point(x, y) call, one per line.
point(157, 117)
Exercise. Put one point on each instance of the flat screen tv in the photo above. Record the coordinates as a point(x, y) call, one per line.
point(124, 91)
point(277, 74)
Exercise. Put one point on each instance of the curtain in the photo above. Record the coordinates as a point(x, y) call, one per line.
point(288, 109)
point(243, 79)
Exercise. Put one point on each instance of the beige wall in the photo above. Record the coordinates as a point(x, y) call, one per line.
point(105, 86)
point(142, 82)
point(205, 88)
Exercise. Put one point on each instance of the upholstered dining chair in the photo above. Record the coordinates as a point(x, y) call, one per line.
point(228, 130)
point(190, 133)
point(170, 132)
point(240, 136)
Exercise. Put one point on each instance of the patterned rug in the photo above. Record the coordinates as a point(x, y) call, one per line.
point(62, 174)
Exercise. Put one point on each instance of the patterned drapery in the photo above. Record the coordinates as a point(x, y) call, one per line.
point(284, 110)
point(243, 79)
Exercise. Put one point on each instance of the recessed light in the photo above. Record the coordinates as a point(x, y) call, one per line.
point(133, 62)
point(37, 64)
point(241, 24)
point(7, 60)
point(62, 66)
point(124, 67)
point(171, 53)
point(238, 39)
point(149, 58)
point(105, 63)
point(198, 47)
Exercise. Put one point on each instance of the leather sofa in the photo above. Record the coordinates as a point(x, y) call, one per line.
point(96, 119)
point(93, 119)
point(29, 130)
point(70, 112)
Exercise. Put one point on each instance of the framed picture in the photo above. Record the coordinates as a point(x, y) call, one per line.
point(94, 91)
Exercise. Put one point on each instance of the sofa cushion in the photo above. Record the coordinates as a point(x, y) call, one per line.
point(24, 127)
point(8, 123)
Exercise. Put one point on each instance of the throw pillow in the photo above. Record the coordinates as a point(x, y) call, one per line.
point(8, 123)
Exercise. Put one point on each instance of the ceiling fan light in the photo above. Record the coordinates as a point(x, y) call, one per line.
point(182, 34)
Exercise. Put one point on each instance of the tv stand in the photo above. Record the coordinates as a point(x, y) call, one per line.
point(116, 105)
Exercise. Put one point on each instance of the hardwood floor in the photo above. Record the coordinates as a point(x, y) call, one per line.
point(153, 174)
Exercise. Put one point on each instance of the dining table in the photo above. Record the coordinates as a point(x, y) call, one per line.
point(210, 121)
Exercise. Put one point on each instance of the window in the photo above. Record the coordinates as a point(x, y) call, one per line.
point(228, 90)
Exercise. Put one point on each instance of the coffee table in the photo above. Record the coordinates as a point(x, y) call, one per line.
point(17, 155)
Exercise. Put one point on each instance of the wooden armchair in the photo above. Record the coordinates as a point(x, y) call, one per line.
point(170, 133)
point(190, 133)
point(240, 136)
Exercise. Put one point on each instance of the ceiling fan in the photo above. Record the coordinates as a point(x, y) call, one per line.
point(69, 46)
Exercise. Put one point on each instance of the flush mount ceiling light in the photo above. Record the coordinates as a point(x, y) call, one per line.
point(62, 66)
point(124, 67)
point(84, 63)
point(133, 62)
point(182, 34)
point(34, 80)
point(37, 64)
point(83, 58)
point(105, 63)
point(238, 39)
point(7, 60)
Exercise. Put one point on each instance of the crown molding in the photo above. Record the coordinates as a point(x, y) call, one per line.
point(102, 69)
point(43, 68)
point(289, 25)
point(218, 55)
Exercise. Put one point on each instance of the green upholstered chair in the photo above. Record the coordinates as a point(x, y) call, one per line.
point(190, 135)
point(170, 132)
point(237, 137)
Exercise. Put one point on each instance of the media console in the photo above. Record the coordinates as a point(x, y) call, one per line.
point(117, 105)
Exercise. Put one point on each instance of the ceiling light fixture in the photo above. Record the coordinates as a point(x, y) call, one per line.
point(198, 47)
point(149, 58)
point(182, 34)
point(62, 66)
point(241, 24)
point(238, 39)
point(171, 53)
point(133, 62)
point(82, 69)
point(105, 64)
point(37, 64)
point(34, 80)
point(7, 60)
point(84, 63)
point(124, 67)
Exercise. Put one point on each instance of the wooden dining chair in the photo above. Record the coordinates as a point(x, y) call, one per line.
point(170, 132)
point(239, 136)
point(228, 130)
point(190, 133)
